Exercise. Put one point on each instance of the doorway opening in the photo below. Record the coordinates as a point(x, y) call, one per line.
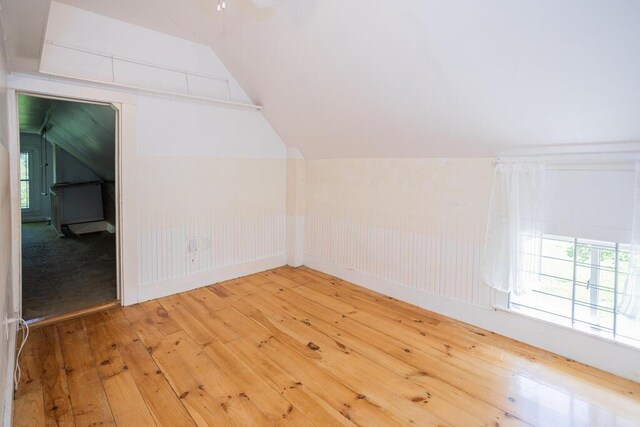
point(68, 203)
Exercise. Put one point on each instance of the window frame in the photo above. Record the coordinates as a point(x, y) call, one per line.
point(29, 180)
point(535, 311)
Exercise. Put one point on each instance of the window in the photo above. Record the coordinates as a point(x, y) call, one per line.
point(25, 174)
point(579, 287)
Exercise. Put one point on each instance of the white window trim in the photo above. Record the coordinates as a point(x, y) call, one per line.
point(567, 328)
point(576, 241)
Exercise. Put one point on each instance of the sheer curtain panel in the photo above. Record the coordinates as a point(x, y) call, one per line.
point(515, 227)
point(629, 303)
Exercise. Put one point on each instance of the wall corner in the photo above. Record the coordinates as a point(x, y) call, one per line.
point(295, 207)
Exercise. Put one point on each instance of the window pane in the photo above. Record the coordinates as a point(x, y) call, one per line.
point(557, 268)
point(608, 258)
point(548, 308)
point(595, 296)
point(596, 318)
point(558, 247)
point(600, 277)
point(623, 277)
point(623, 259)
point(589, 304)
point(554, 286)
point(583, 253)
point(607, 279)
point(545, 302)
point(24, 165)
point(24, 194)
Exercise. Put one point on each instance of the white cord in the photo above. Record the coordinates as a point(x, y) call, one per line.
point(25, 334)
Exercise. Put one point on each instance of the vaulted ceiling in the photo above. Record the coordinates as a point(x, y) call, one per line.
point(415, 78)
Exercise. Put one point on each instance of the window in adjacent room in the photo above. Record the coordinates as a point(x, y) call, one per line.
point(25, 174)
point(581, 281)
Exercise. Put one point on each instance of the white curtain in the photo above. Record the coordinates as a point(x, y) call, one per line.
point(515, 227)
point(629, 299)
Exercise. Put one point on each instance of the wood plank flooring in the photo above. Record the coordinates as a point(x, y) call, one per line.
point(298, 347)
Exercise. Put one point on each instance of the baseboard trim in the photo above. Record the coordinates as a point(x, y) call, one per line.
point(607, 355)
point(197, 280)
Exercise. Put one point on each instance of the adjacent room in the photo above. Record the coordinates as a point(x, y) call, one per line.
point(68, 206)
point(317, 213)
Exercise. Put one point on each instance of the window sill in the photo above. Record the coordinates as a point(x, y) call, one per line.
point(568, 328)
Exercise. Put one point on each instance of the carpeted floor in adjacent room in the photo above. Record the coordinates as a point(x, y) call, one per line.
point(65, 274)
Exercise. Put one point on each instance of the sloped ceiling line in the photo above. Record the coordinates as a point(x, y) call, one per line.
point(412, 78)
point(85, 131)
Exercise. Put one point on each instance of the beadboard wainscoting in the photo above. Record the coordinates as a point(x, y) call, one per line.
point(440, 256)
point(418, 223)
point(414, 229)
point(221, 239)
point(208, 219)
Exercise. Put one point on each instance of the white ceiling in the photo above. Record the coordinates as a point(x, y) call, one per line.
point(23, 23)
point(412, 78)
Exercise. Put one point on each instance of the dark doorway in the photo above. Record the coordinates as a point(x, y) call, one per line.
point(68, 205)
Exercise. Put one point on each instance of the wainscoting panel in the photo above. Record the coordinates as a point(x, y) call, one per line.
point(200, 215)
point(223, 239)
point(440, 256)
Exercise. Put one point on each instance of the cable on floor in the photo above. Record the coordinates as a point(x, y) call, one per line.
point(24, 327)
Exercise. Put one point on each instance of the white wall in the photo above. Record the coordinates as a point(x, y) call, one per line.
point(295, 207)
point(414, 229)
point(81, 44)
point(208, 173)
point(192, 172)
point(6, 307)
point(7, 291)
point(7, 355)
point(419, 223)
point(196, 171)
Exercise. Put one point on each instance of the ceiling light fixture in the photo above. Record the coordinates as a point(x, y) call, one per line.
point(259, 4)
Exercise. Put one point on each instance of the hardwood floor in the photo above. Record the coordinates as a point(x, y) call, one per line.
point(298, 347)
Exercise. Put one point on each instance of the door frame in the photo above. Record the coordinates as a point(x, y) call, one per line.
point(126, 204)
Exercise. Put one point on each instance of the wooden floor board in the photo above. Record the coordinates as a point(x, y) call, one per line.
point(163, 403)
point(525, 352)
point(540, 366)
point(126, 402)
point(463, 352)
point(364, 374)
point(396, 358)
point(425, 367)
point(294, 346)
point(88, 400)
point(29, 410)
